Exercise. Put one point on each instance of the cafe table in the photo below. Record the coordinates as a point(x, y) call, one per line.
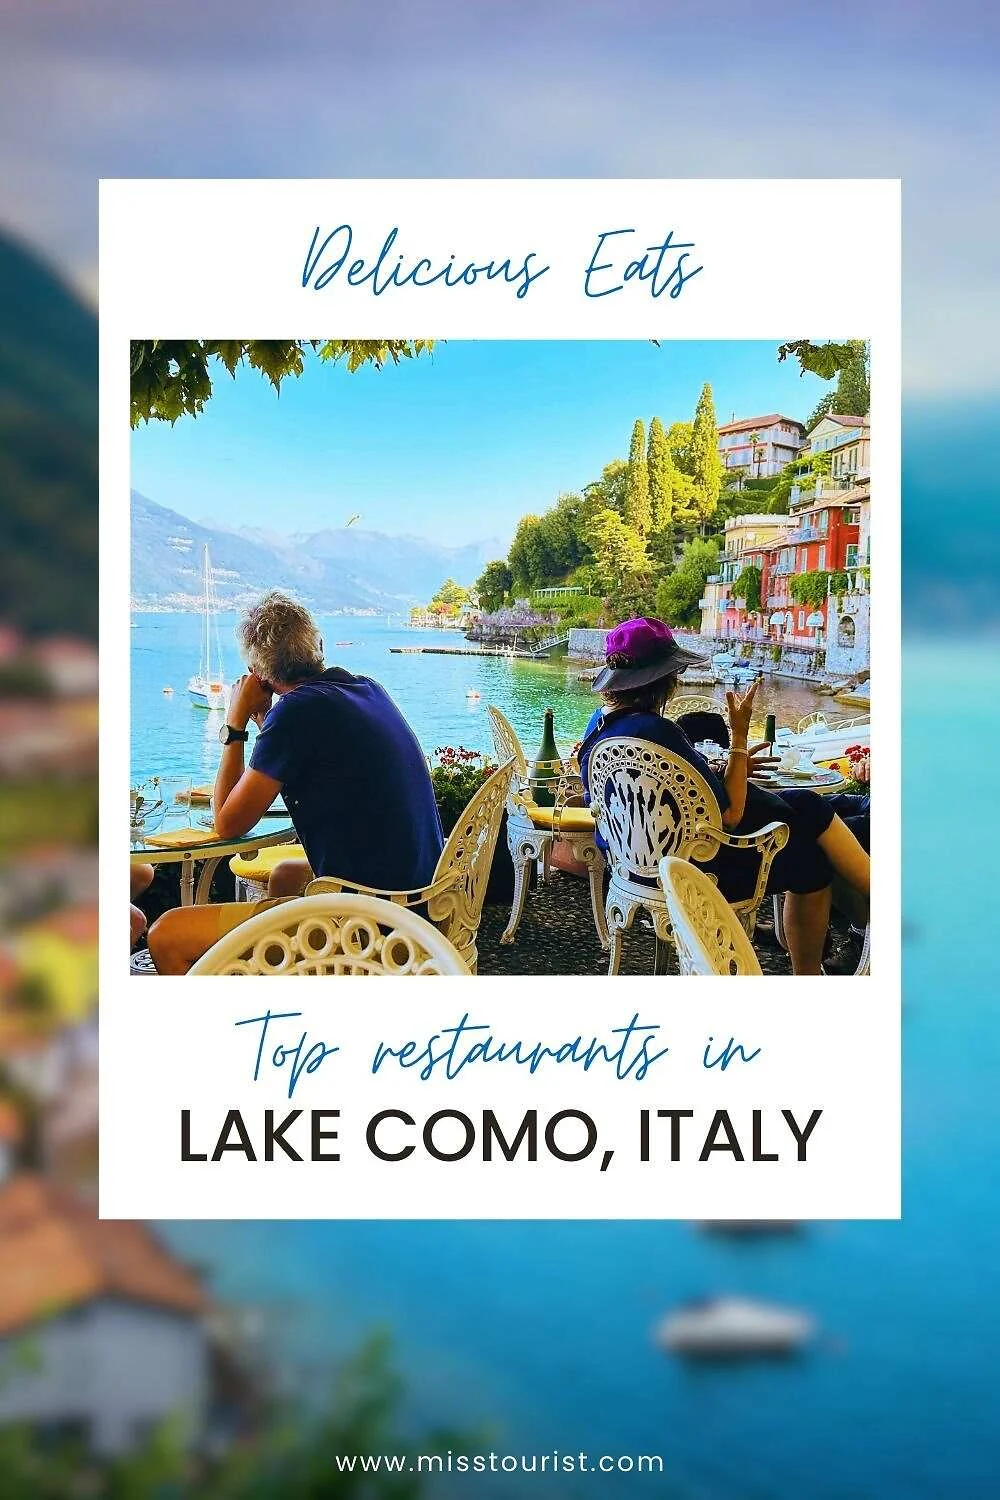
point(825, 780)
point(198, 851)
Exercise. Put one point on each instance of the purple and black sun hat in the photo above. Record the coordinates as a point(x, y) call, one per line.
point(640, 652)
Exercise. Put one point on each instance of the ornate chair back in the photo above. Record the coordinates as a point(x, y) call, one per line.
point(691, 703)
point(508, 747)
point(463, 870)
point(334, 933)
point(649, 803)
point(707, 933)
point(455, 896)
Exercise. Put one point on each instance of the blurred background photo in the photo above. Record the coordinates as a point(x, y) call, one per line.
point(240, 1360)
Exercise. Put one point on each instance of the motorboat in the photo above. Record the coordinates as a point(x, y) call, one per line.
point(726, 669)
point(733, 1328)
point(823, 740)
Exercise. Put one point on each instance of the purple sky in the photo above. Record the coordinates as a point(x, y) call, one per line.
point(296, 88)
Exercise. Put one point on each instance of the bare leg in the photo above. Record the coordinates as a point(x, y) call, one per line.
point(847, 856)
point(182, 935)
point(289, 878)
point(140, 879)
point(806, 919)
point(137, 923)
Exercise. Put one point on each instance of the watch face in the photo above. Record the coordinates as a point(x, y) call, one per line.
point(224, 734)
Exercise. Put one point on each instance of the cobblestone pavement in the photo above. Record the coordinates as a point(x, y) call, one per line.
point(557, 936)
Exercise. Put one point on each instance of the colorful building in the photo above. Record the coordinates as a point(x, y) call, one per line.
point(723, 615)
point(824, 539)
point(760, 446)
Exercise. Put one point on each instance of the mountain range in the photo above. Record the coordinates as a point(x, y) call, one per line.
point(332, 569)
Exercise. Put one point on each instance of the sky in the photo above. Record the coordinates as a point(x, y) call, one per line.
point(455, 446)
point(898, 88)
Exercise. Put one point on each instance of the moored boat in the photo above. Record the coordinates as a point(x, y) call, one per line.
point(208, 687)
point(733, 1328)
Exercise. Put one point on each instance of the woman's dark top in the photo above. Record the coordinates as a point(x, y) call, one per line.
point(801, 866)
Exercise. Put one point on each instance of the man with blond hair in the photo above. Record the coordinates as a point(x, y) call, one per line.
point(347, 764)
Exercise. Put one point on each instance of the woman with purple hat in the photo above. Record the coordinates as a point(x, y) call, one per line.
point(643, 663)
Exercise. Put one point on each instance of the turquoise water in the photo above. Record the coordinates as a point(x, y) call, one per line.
point(170, 736)
point(542, 1331)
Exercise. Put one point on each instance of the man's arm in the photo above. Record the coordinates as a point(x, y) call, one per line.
point(241, 797)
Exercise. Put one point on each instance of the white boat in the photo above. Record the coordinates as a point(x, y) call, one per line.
point(726, 669)
point(208, 688)
point(733, 1327)
point(823, 740)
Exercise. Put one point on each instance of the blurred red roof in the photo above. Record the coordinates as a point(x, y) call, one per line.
point(55, 1253)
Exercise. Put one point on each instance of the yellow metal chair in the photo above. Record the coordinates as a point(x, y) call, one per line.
point(455, 896)
point(333, 934)
point(708, 934)
point(252, 871)
point(532, 829)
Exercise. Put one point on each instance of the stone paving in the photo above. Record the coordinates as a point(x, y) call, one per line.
point(557, 936)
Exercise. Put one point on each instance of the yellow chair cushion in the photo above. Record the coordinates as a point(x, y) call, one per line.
point(258, 866)
point(563, 820)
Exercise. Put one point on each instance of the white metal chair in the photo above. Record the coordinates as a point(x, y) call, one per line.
point(333, 934)
point(532, 829)
point(650, 803)
point(455, 896)
point(708, 935)
point(692, 703)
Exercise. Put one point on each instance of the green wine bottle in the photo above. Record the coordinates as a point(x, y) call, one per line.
point(769, 731)
point(547, 765)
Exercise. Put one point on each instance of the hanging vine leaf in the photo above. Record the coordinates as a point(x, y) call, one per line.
point(171, 378)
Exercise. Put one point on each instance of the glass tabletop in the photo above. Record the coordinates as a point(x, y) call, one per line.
point(270, 829)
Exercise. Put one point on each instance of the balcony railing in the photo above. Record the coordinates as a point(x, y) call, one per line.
point(805, 534)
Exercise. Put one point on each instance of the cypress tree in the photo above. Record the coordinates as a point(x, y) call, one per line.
point(660, 468)
point(637, 511)
point(706, 464)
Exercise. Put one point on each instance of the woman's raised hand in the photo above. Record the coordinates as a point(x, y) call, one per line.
point(740, 710)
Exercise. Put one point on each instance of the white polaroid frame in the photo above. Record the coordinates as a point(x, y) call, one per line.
point(820, 261)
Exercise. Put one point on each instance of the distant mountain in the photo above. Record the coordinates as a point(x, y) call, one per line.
point(330, 570)
point(48, 449)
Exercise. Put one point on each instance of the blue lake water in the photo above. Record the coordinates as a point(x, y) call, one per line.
point(170, 736)
point(542, 1332)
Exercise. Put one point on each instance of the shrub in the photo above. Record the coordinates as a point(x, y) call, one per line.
point(456, 779)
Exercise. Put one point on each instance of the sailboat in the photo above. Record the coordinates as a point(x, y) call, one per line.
point(209, 688)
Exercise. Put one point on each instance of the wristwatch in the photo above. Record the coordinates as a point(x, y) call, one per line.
point(228, 735)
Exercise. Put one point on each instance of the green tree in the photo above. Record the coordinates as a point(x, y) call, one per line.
point(678, 593)
point(852, 394)
point(172, 378)
point(524, 555)
point(662, 479)
point(637, 506)
point(706, 463)
point(746, 586)
point(622, 564)
point(450, 598)
point(608, 492)
point(494, 584)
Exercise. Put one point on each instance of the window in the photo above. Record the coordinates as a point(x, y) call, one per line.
point(851, 556)
point(846, 632)
point(824, 521)
point(802, 619)
point(803, 559)
point(851, 515)
point(822, 557)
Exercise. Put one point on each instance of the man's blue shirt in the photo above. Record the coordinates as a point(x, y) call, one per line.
point(354, 780)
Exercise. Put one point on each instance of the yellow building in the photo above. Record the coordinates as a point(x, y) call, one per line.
point(743, 535)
